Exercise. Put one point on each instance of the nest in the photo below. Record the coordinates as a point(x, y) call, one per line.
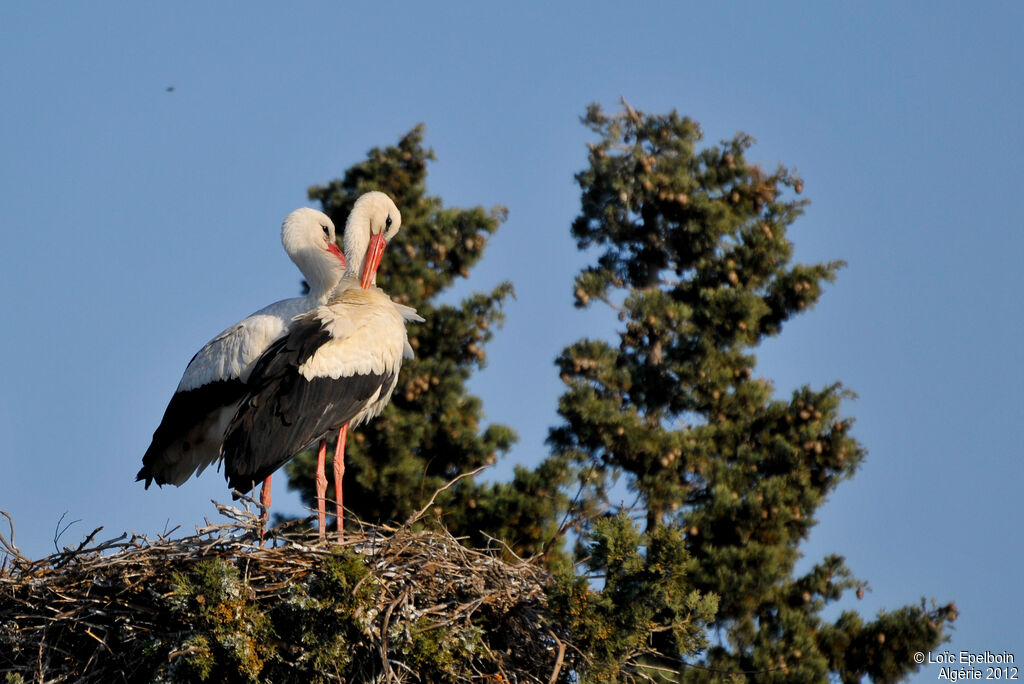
point(404, 604)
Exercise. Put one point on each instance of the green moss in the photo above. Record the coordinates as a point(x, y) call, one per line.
point(230, 635)
point(343, 577)
point(197, 658)
point(439, 654)
point(325, 622)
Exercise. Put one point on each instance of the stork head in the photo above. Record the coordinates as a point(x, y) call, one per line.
point(373, 222)
point(308, 236)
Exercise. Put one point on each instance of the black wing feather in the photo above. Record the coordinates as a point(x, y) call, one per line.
point(284, 413)
point(184, 427)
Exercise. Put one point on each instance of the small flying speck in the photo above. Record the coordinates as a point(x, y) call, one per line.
point(170, 89)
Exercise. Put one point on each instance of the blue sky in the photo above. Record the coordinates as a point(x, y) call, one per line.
point(137, 223)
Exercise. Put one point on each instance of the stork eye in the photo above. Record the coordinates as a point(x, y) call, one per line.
point(327, 231)
point(387, 224)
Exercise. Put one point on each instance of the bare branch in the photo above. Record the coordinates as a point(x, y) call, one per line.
point(420, 513)
point(58, 532)
point(558, 658)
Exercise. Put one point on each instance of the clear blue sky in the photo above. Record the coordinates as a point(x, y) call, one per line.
point(137, 223)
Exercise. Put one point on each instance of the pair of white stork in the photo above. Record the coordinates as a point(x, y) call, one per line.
point(294, 372)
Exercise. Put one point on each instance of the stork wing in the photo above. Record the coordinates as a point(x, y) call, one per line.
point(409, 315)
point(188, 438)
point(284, 412)
point(230, 354)
point(189, 435)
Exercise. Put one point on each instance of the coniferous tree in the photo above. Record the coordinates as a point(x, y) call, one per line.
point(694, 258)
point(433, 430)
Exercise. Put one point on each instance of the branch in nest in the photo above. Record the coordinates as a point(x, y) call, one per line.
point(420, 513)
point(8, 545)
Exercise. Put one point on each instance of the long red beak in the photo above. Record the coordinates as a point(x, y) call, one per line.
point(373, 255)
point(333, 249)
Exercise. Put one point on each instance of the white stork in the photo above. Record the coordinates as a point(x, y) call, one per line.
point(189, 437)
point(338, 365)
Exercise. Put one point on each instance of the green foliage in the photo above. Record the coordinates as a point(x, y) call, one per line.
point(229, 636)
point(694, 258)
point(226, 634)
point(325, 618)
point(643, 594)
point(881, 648)
point(439, 654)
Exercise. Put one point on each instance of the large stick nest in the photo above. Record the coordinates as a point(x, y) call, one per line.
point(385, 605)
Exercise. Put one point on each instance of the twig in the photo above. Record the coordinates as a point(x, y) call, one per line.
point(58, 532)
point(69, 554)
point(564, 526)
point(558, 658)
point(420, 513)
point(9, 546)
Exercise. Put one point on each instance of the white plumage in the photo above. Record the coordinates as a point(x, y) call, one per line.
point(367, 332)
point(189, 436)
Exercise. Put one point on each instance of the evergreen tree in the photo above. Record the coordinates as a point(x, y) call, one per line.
point(694, 258)
point(433, 430)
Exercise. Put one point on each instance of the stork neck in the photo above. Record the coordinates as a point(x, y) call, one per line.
point(357, 241)
point(354, 268)
point(322, 270)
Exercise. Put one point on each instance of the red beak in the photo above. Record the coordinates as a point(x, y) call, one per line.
point(373, 255)
point(333, 249)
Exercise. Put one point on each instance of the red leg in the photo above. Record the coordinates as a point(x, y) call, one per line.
point(339, 473)
point(265, 502)
point(321, 487)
